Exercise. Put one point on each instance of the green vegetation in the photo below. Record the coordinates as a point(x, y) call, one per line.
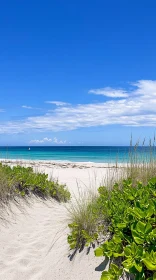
point(22, 182)
point(132, 227)
point(84, 221)
point(128, 214)
point(124, 215)
point(141, 165)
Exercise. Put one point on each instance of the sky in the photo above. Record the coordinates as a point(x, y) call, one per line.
point(79, 72)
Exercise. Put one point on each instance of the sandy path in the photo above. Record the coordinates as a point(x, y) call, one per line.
point(34, 247)
point(34, 243)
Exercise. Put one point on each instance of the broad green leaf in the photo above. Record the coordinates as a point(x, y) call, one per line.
point(149, 265)
point(106, 276)
point(137, 237)
point(150, 210)
point(128, 264)
point(140, 251)
point(118, 254)
point(121, 225)
point(138, 266)
point(116, 239)
point(127, 251)
point(140, 227)
point(138, 213)
point(115, 268)
point(148, 228)
point(98, 252)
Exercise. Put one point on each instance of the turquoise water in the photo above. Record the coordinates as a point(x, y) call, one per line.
point(74, 154)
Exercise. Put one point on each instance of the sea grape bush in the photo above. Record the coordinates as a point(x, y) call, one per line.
point(23, 181)
point(132, 212)
point(129, 214)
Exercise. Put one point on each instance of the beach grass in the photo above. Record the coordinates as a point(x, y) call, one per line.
point(83, 213)
point(83, 219)
point(120, 213)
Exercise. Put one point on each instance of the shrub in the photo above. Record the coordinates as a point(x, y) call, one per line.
point(128, 215)
point(124, 214)
point(22, 181)
point(132, 214)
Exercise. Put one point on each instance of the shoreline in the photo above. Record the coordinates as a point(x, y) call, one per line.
point(63, 163)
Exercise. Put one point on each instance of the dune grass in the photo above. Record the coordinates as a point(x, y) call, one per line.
point(83, 219)
point(102, 216)
point(141, 165)
point(86, 219)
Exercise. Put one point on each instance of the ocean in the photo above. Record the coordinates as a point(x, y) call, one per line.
point(99, 154)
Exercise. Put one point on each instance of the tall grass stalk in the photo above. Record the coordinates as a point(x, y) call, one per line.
point(140, 166)
point(81, 209)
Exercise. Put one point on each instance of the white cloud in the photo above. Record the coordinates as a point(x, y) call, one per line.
point(35, 141)
point(145, 88)
point(48, 140)
point(30, 108)
point(44, 140)
point(55, 140)
point(27, 107)
point(138, 109)
point(57, 103)
point(109, 92)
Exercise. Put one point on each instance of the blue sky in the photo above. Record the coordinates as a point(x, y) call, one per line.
point(77, 72)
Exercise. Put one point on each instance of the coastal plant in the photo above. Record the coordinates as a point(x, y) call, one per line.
point(138, 165)
point(5, 193)
point(84, 220)
point(128, 215)
point(22, 181)
point(141, 163)
point(123, 214)
point(132, 242)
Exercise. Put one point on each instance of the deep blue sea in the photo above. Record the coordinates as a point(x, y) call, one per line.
point(101, 154)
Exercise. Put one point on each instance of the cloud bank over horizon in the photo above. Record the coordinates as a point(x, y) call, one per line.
point(48, 140)
point(126, 107)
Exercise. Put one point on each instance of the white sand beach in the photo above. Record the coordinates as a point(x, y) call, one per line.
point(34, 242)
